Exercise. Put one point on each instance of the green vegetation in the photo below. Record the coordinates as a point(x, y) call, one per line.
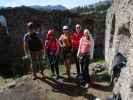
point(61, 68)
point(4, 81)
point(103, 77)
point(99, 61)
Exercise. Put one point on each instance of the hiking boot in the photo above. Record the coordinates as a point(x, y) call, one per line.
point(53, 76)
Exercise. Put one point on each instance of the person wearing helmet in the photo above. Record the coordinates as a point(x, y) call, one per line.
point(65, 43)
point(75, 38)
point(33, 48)
point(52, 51)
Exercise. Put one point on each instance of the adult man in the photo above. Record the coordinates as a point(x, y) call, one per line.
point(75, 38)
point(33, 48)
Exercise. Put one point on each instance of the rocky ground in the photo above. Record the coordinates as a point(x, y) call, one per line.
point(25, 88)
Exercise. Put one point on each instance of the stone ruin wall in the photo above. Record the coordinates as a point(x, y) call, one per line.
point(119, 38)
point(119, 30)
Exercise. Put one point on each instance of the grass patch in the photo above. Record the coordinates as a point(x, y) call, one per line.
point(4, 81)
point(61, 70)
point(99, 61)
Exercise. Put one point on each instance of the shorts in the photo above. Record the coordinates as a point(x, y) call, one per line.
point(67, 53)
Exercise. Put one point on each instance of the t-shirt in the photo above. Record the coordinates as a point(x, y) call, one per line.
point(75, 38)
point(51, 46)
point(33, 41)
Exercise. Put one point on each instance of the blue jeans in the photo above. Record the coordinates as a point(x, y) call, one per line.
point(84, 63)
point(53, 62)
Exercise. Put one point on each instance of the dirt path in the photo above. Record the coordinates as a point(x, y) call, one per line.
point(52, 89)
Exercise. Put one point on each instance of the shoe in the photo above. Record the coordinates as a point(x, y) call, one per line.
point(53, 76)
point(57, 77)
point(43, 76)
point(34, 78)
point(86, 85)
point(82, 83)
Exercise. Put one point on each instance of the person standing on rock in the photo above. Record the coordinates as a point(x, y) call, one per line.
point(65, 43)
point(75, 38)
point(85, 54)
point(52, 50)
point(33, 48)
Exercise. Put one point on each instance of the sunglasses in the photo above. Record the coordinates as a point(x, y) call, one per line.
point(65, 29)
point(78, 27)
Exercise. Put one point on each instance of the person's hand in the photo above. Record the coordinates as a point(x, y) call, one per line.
point(27, 57)
point(56, 54)
point(71, 49)
point(77, 55)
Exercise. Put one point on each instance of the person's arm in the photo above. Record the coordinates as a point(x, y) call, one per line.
point(26, 49)
point(42, 50)
point(92, 47)
point(58, 47)
point(60, 41)
point(79, 47)
point(74, 39)
point(46, 46)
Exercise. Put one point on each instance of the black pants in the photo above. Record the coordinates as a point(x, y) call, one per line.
point(53, 62)
point(84, 62)
point(76, 60)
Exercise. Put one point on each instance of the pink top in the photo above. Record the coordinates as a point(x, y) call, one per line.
point(84, 46)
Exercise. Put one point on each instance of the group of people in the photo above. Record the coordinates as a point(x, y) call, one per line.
point(77, 46)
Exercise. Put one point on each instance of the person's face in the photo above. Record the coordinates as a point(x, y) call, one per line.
point(65, 31)
point(86, 34)
point(78, 29)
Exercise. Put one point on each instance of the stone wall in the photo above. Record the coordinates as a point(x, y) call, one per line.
point(119, 31)
point(119, 38)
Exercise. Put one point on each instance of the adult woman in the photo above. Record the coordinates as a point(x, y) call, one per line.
point(65, 43)
point(52, 51)
point(85, 53)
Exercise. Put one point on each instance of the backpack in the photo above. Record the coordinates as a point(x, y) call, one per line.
point(34, 43)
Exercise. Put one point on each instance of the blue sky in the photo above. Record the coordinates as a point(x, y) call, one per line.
point(66, 3)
